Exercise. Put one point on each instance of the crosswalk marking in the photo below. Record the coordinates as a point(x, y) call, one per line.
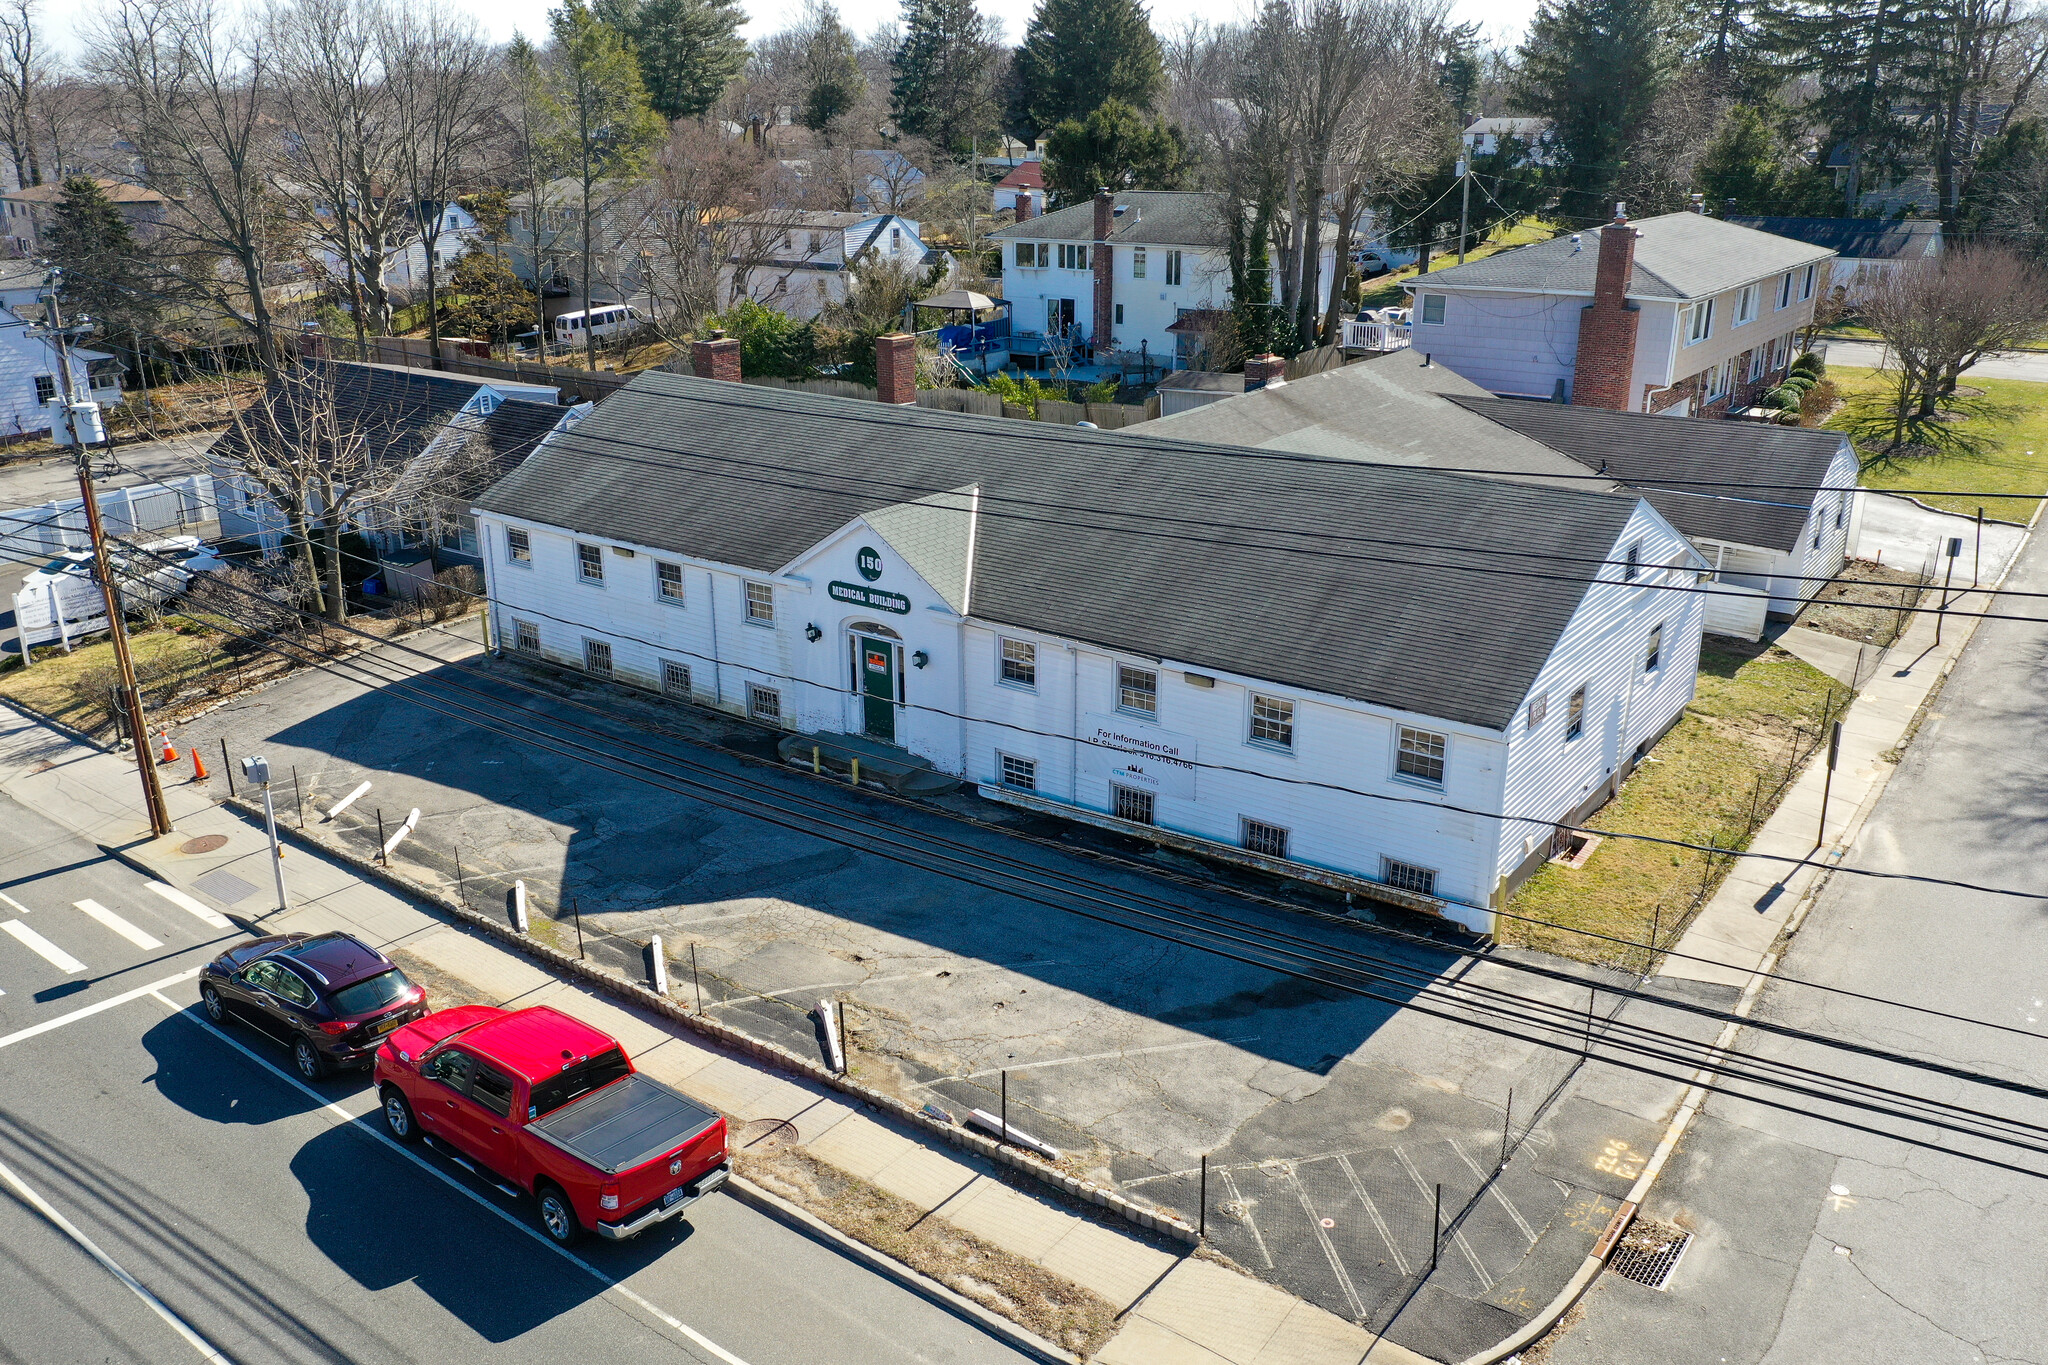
point(185, 902)
point(117, 924)
point(55, 956)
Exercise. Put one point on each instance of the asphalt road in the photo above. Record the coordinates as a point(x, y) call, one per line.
point(2004, 365)
point(270, 1221)
point(1815, 1244)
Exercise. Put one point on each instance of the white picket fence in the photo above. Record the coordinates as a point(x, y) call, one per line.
point(159, 509)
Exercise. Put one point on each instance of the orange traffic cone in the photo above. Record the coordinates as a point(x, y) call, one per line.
point(198, 765)
point(170, 754)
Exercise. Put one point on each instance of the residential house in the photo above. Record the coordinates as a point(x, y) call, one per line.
point(1485, 136)
point(405, 256)
point(1129, 280)
point(1022, 191)
point(1866, 249)
point(32, 389)
point(1680, 314)
point(1772, 508)
point(800, 263)
point(26, 214)
point(546, 234)
point(1370, 719)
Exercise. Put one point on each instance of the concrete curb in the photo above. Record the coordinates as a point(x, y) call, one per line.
point(781, 1058)
point(918, 1283)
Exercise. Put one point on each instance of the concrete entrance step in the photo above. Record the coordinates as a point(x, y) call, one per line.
point(896, 768)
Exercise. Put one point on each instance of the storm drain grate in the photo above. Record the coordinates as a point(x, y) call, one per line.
point(1650, 1258)
point(224, 887)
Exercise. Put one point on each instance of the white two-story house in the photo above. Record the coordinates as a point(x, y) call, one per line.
point(1407, 727)
point(801, 262)
point(1680, 314)
point(1125, 281)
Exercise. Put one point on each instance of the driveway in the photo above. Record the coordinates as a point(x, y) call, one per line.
point(2003, 365)
point(25, 483)
point(1816, 1245)
point(1139, 1016)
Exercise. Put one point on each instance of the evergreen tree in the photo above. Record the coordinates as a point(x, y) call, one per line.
point(687, 50)
point(1740, 170)
point(1595, 68)
point(106, 275)
point(945, 72)
point(487, 300)
point(1078, 54)
point(833, 83)
point(1113, 146)
point(2007, 194)
point(1857, 53)
point(1459, 69)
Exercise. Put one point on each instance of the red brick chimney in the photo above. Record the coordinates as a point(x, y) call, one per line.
point(896, 368)
point(718, 358)
point(1607, 326)
point(1264, 371)
point(1099, 259)
point(1023, 205)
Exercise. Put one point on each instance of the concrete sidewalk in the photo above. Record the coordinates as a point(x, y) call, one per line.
point(1171, 1308)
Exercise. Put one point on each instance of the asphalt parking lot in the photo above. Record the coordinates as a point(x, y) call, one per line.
point(1328, 1118)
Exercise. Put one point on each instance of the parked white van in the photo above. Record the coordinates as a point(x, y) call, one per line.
point(605, 320)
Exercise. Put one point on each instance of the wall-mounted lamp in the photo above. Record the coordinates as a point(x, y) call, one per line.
point(813, 634)
point(920, 658)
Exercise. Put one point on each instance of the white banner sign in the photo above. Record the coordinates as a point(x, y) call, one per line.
point(1137, 755)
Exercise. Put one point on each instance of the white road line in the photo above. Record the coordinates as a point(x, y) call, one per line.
point(23, 1035)
point(365, 1126)
point(156, 1305)
point(185, 902)
point(57, 957)
point(1097, 1057)
point(117, 924)
point(18, 907)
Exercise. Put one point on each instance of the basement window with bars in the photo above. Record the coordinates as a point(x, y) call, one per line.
point(525, 636)
point(1408, 877)
point(597, 658)
point(1021, 773)
point(1259, 837)
point(1131, 803)
point(675, 678)
point(764, 703)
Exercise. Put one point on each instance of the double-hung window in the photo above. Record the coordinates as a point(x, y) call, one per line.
point(1430, 308)
point(668, 581)
point(518, 547)
point(590, 562)
point(1806, 285)
point(1745, 305)
point(1272, 722)
point(760, 604)
point(1027, 255)
point(1653, 652)
point(1137, 691)
point(1759, 361)
point(1575, 715)
point(46, 388)
point(1137, 263)
point(1020, 663)
point(1419, 756)
point(1699, 322)
point(1173, 267)
point(1785, 290)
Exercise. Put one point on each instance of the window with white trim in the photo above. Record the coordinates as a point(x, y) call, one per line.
point(525, 636)
point(597, 658)
point(764, 703)
point(1429, 308)
point(1785, 290)
point(1137, 263)
point(1073, 256)
point(590, 562)
point(518, 547)
point(1272, 722)
point(1653, 652)
point(675, 678)
point(760, 604)
point(1019, 663)
point(1419, 755)
point(1632, 563)
point(1575, 715)
point(1173, 267)
point(1759, 361)
point(1131, 803)
point(46, 388)
point(1259, 837)
point(1408, 877)
point(668, 581)
point(1697, 322)
point(1044, 254)
point(1021, 773)
point(1137, 691)
point(1720, 379)
point(1841, 510)
point(1745, 305)
point(1806, 285)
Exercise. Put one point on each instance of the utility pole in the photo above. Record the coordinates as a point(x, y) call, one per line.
point(1464, 203)
point(117, 620)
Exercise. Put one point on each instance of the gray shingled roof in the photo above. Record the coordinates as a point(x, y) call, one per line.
point(1863, 239)
point(1668, 458)
point(1214, 557)
point(1678, 256)
point(1164, 217)
point(1388, 410)
point(400, 409)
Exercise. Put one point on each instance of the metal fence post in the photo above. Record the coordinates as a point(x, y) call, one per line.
point(1202, 1219)
point(226, 766)
point(298, 796)
point(1507, 1120)
point(696, 983)
point(1436, 1227)
point(576, 909)
point(461, 891)
point(380, 838)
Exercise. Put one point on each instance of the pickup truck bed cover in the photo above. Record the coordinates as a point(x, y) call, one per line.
point(628, 1123)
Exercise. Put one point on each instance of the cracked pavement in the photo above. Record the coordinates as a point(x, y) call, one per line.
point(1817, 1245)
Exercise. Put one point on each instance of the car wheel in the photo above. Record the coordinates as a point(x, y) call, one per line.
point(558, 1217)
point(215, 1009)
point(310, 1063)
point(398, 1115)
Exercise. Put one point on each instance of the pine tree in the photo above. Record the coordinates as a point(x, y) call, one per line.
point(1113, 146)
point(1740, 169)
point(1078, 54)
point(830, 68)
point(688, 50)
point(1857, 52)
point(106, 275)
point(1595, 68)
point(944, 89)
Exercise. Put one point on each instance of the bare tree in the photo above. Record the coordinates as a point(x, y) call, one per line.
point(25, 75)
point(708, 187)
point(1941, 316)
point(191, 88)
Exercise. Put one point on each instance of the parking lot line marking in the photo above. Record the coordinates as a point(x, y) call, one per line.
point(363, 1125)
point(156, 1305)
point(1238, 1199)
point(1372, 1211)
point(51, 953)
point(212, 918)
point(117, 924)
point(23, 1035)
point(1315, 1223)
point(1493, 1188)
point(19, 908)
point(1097, 1057)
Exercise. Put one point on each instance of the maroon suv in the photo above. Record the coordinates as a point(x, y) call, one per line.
point(330, 998)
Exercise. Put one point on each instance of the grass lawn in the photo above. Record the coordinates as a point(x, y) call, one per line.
point(73, 687)
point(2011, 421)
point(1385, 290)
point(1712, 779)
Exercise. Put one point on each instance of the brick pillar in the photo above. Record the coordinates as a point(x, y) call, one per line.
point(1099, 259)
point(1607, 326)
point(718, 358)
point(896, 368)
point(1023, 205)
point(1264, 371)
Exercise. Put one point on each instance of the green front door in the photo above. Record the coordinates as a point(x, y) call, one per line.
point(877, 664)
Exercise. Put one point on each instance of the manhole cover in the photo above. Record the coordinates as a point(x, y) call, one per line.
point(205, 843)
point(759, 1135)
point(224, 887)
point(1649, 1259)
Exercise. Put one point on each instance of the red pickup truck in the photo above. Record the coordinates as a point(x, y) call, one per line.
point(553, 1106)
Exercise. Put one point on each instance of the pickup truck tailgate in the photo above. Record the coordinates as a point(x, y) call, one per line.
point(627, 1124)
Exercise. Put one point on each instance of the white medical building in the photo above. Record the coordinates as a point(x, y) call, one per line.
point(1341, 670)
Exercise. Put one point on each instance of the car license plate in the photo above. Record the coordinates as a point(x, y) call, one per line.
point(673, 1195)
point(389, 1024)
